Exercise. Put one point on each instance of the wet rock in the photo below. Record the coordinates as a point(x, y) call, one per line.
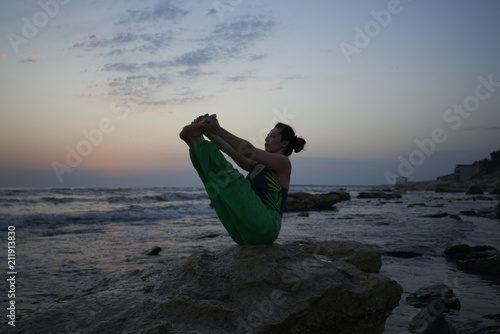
point(154, 251)
point(425, 205)
point(447, 189)
point(417, 204)
point(436, 292)
point(466, 252)
point(489, 266)
point(430, 320)
point(302, 201)
point(403, 254)
point(302, 287)
point(469, 213)
point(436, 215)
point(483, 260)
point(293, 204)
point(474, 190)
point(434, 300)
point(303, 214)
point(209, 236)
point(495, 191)
point(498, 210)
point(383, 195)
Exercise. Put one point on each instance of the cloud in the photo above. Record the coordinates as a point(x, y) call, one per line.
point(239, 78)
point(127, 42)
point(193, 72)
point(120, 67)
point(163, 11)
point(244, 30)
point(32, 59)
point(91, 42)
point(192, 98)
point(83, 94)
point(141, 60)
point(198, 57)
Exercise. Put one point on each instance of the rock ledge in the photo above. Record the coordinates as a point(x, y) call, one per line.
point(302, 287)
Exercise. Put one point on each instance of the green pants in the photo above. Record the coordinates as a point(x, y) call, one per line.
point(246, 218)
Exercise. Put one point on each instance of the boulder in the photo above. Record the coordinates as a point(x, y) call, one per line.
point(447, 189)
point(153, 251)
point(466, 252)
point(434, 301)
point(474, 190)
point(302, 287)
point(436, 215)
point(483, 260)
point(430, 294)
point(489, 266)
point(430, 320)
point(302, 201)
point(403, 254)
point(374, 194)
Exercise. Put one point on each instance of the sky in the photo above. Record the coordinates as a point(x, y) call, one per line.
point(95, 93)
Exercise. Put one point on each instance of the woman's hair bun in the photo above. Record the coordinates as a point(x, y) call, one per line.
point(298, 144)
point(294, 143)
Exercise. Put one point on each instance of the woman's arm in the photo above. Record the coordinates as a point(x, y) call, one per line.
point(243, 148)
point(242, 161)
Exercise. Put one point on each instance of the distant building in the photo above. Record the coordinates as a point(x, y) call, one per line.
point(464, 173)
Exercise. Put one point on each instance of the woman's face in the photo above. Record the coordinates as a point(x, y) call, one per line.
point(274, 142)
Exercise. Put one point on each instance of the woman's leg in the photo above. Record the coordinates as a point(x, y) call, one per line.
point(240, 210)
point(192, 134)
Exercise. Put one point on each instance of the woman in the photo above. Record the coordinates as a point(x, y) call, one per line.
point(250, 209)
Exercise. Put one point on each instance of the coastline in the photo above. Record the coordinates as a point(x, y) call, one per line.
point(488, 183)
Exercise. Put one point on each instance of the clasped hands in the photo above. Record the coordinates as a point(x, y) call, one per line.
point(210, 123)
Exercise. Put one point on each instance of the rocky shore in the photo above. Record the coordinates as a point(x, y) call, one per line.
point(302, 287)
point(298, 286)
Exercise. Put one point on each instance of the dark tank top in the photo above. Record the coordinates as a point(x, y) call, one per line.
point(270, 191)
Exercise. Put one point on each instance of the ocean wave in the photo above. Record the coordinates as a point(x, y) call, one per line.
point(58, 206)
point(59, 200)
point(133, 212)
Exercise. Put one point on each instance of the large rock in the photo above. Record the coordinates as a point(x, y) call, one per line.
point(483, 260)
point(302, 201)
point(489, 266)
point(474, 190)
point(440, 188)
point(303, 287)
point(466, 252)
point(434, 301)
point(438, 292)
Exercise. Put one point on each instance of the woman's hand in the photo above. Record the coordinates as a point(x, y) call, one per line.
point(211, 124)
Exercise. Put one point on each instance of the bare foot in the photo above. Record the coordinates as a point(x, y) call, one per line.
point(199, 119)
point(192, 134)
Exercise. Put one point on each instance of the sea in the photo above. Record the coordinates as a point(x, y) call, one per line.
point(68, 237)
